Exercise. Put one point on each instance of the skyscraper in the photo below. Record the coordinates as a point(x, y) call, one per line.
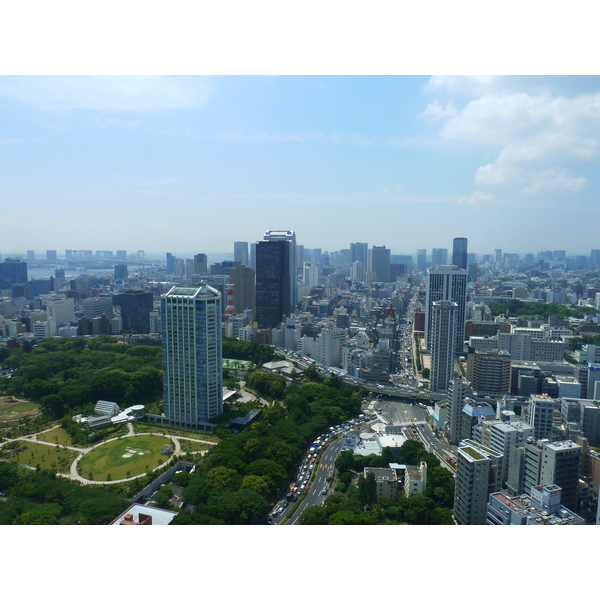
point(192, 354)
point(240, 253)
point(422, 260)
point(459, 252)
point(12, 270)
point(447, 283)
point(378, 259)
point(444, 324)
point(458, 392)
point(439, 257)
point(358, 252)
point(272, 283)
point(200, 264)
point(244, 294)
point(136, 306)
point(289, 236)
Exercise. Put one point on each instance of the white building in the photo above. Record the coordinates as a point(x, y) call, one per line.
point(62, 310)
point(446, 283)
point(192, 351)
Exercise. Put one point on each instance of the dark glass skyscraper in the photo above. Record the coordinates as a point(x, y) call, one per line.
point(459, 252)
point(273, 278)
point(12, 270)
point(136, 306)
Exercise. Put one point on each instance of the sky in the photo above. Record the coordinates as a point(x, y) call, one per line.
point(191, 164)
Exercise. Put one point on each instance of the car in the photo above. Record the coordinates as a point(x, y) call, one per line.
point(324, 492)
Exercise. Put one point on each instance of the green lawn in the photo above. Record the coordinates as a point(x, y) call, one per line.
point(57, 436)
point(10, 410)
point(46, 457)
point(141, 427)
point(123, 458)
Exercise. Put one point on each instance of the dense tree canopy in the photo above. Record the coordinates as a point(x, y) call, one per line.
point(65, 374)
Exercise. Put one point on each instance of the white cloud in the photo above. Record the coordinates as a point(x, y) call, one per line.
point(540, 140)
point(110, 94)
point(435, 111)
point(554, 179)
point(476, 198)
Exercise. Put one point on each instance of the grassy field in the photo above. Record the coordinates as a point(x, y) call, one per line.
point(46, 457)
point(187, 433)
point(57, 436)
point(123, 458)
point(11, 410)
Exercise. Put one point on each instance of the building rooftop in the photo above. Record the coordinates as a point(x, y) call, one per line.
point(138, 514)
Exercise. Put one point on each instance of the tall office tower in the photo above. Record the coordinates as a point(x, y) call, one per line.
point(51, 255)
point(121, 254)
point(12, 270)
point(458, 392)
point(252, 264)
point(136, 306)
point(299, 259)
point(478, 474)
point(498, 257)
point(422, 260)
point(489, 371)
point(459, 252)
point(240, 253)
point(359, 252)
point(473, 271)
point(59, 279)
point(200, 264)
point(595, 261)
point(439, 257)
point(121, 272)
point(553, 462)
point(170, 263)
point(378, 261)
point(277, 235)
point(30, 256)
point(443, 324)
point(447, 283)
point(315, 256)
point(541, 414)
point(272, 283)
point(357, 271)
point(192, 354)
point(244, 292)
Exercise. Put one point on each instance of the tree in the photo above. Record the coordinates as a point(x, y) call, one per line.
point(367, 489)
point(313, 515)
point(256, 483)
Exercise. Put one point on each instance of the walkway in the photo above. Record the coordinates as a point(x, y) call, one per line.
point(74, 475)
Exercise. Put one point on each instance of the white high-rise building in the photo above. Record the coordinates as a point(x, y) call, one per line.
point(62, 310)
point(446, 283)
point(192, 354)
point(443, 326)
point(328, 346)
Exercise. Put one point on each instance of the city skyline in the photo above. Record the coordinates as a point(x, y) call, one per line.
point(402, 161)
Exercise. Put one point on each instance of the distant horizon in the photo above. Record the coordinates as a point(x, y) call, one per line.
point(225, 255)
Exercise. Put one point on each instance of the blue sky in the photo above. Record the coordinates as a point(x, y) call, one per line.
point(192, 164)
